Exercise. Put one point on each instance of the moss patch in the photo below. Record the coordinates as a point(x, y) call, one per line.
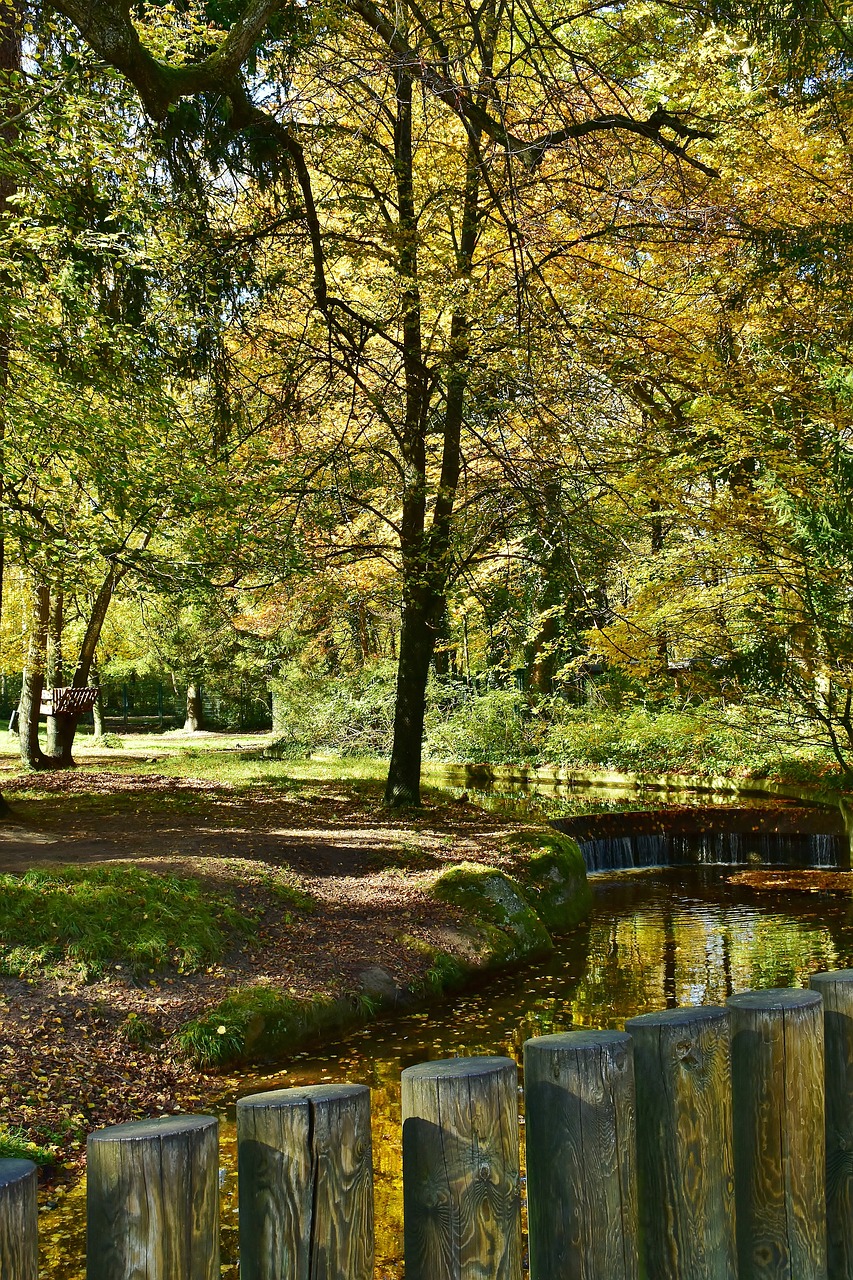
point(552, 873)
point(501, 922)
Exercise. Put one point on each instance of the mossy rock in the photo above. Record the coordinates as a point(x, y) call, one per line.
point(552, 873)
point(502, 925)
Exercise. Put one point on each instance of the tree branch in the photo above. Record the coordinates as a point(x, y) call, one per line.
point(109, 29)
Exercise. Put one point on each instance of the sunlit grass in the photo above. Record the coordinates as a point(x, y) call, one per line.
point(85, 919)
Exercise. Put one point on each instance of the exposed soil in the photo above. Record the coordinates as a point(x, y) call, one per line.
point(66, 1065)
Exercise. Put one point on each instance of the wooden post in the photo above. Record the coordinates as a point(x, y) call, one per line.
point(779, 1142)
point(18, 1220)
point(306, 1184)
point(581, 1174)
point(461, 1185)
point(685, 1165)
point(836, 990)
point(153, 1200)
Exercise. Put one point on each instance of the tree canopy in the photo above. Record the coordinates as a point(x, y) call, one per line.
point(505, 343)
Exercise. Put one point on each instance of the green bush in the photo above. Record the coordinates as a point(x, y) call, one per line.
point(352, 713)
point(86, 918)
point(493, 727)
point(706, 740)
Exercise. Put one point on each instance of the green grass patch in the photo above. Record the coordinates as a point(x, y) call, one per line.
point(15, 1145)
point(257, 1022)
point(85, 919)
point(445, 971)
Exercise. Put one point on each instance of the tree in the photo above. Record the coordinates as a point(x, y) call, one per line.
point(500, 97)
point(115, 426)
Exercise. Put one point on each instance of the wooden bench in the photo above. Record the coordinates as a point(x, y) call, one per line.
point(67, 701)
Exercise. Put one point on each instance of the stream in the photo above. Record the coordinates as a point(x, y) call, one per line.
point(670, 936)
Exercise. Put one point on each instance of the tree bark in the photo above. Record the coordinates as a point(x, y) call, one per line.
point(425, 551)
point(32, 682)
point(85, 660)
point(417, 641)
point(98, 707)
point(416, 638)
point(10, 65)
point(195, 719)
point(53, 744)
point(61, 740)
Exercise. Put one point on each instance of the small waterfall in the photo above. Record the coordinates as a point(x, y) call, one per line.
point(712, 848)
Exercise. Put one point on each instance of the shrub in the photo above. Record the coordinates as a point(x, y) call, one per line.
point(493, 726)
point(258, 1021)
point(352, 713)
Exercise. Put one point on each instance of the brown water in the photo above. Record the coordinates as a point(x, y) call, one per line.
point(675, 936)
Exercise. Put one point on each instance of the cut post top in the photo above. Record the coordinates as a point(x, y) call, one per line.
point(571, 1040)
point(299, 1095)
point(683, 1016)
point(832, 978)
point(450, 1068)
point(161, 1127)
point(13, 1171)
point(776, 998)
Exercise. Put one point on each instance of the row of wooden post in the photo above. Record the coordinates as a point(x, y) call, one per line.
point(702, 1143)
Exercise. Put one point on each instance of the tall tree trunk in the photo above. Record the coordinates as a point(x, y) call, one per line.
point(195, 719)
point(657, 540)
point(64, 727)
point(425, 552)
point(98, 705)
point(85, 659)
point(32, 682)
point(416, 639)
point(53, 745)
point(10, 65)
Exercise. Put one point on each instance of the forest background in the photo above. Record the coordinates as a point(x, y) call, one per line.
point(473, 378)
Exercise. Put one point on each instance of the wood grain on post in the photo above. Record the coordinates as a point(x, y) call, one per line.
point(306, 1184)
point(685, 1164)
point(836, 990)
point(461, 1184)
point(18, 1220)
point(581, 1172)
point(153, 1200)
point(779, 1142)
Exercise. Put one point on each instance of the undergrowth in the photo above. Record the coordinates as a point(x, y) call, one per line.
point(260, 1020)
